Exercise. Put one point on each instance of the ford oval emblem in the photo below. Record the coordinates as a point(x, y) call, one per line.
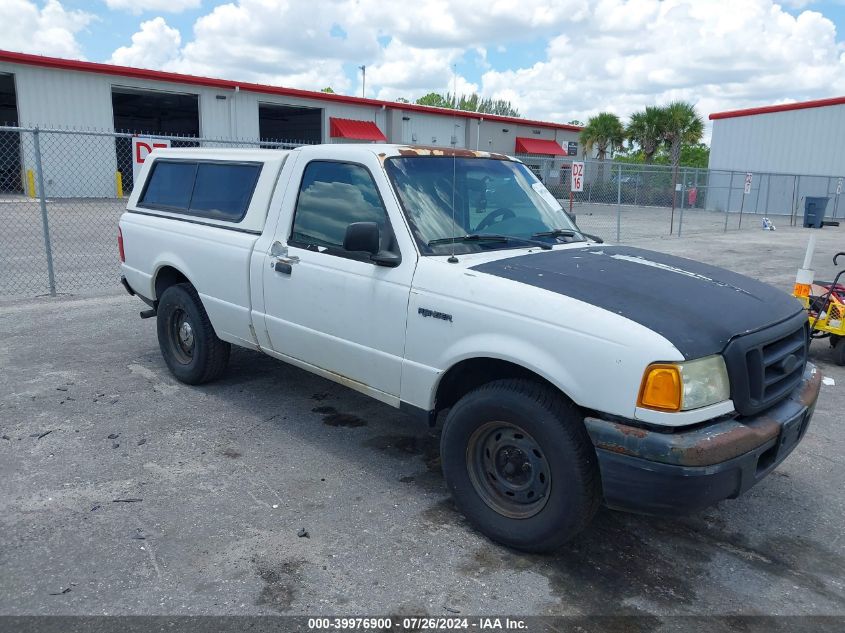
point(789, 364)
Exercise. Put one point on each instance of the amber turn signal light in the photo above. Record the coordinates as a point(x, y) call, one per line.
point(661, 388)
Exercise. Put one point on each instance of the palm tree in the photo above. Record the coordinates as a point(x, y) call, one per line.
point(647, 128)
point(683, 127)
point(604, 132)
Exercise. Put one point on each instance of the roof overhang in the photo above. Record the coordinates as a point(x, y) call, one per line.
point(526, 145)
point(355, 130)
point(784, 107)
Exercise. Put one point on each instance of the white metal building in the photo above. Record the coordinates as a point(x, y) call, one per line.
point(793, 151)
point(68, 94)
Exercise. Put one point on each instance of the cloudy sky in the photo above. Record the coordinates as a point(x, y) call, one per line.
point(556, 60)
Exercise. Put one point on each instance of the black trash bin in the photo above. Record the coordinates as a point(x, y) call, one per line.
point(814, 209)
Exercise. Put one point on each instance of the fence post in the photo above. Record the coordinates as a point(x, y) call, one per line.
point(619, 202)
point(728, 203)
point(681, 218)
point(45, 225)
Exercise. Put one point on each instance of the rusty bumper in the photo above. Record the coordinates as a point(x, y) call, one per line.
point(684, 470)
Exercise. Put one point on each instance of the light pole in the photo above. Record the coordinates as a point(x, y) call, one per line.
point(363, 70)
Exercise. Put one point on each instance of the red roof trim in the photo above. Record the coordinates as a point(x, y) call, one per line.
point(548, 147)
point(355, 129)
point(786, 107)
point(210, 82)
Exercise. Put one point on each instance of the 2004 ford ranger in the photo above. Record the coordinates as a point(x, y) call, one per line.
point(571, 372)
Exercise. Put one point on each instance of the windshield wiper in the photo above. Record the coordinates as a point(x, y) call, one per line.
point(489, 237)
point(560, 233)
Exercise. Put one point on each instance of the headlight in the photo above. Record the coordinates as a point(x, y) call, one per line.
point(684, 386)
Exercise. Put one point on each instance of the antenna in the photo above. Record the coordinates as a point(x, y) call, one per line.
point(363, 70)
point(454, 140)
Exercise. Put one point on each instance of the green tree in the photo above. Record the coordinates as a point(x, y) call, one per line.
point(604, 132)
point(684, 126)
point(697, 155)
point(471, 103)
point(436, 100)
point(647, 128)
point(328, 89)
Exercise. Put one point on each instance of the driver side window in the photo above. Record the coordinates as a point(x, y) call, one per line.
point(332, 196)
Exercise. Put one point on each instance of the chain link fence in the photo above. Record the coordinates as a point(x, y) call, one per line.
point(629, 202)
point(62, 193)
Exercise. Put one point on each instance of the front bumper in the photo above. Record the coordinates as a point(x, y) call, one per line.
point(682, 471)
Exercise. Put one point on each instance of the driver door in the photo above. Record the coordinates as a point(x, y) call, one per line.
point(330, 308)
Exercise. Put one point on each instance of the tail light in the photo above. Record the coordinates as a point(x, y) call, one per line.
point(120, 245)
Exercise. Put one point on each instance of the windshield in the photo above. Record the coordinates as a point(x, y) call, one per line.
point(497, 204)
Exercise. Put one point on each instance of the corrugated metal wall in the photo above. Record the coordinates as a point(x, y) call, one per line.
point(777, 147)
point(808, 141)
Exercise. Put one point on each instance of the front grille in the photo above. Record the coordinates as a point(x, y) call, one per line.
point(765, 366)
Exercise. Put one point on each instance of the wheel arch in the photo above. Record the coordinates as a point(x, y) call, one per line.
point(470, 373)
point(165, 276)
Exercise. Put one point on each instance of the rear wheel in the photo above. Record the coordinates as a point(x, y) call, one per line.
point(520, 465)
point(190, 347)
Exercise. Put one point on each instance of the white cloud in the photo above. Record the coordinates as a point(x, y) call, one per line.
point(153, 46)
point(720, 55)
point(160, 6)
point(407, 71)
point(51, 30)
point(617, 55)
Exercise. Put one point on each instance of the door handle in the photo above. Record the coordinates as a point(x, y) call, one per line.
point(284, 264)
point(282, 267)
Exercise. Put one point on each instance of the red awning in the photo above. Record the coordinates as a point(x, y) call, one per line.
point(354, 129)
point(538, 146)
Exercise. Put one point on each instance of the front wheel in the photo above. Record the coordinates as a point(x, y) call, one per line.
point(190, 347)
point(520, 464)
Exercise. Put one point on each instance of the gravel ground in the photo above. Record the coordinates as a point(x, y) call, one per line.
point(125, 492)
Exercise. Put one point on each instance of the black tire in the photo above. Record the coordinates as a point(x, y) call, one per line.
point(205, 357)
point(557, 446)
point(839, 351)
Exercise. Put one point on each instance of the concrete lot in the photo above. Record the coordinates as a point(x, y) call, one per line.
point(124, 492)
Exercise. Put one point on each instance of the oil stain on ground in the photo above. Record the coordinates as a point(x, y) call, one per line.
point(281, 581)
point(331, 417)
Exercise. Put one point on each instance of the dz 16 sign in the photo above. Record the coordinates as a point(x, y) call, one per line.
point(141, 147)
point(577, 177)
point(749, 177)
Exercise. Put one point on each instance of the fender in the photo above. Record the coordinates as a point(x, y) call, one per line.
point(517, 352)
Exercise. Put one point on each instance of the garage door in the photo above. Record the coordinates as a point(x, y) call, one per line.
point(151, 112)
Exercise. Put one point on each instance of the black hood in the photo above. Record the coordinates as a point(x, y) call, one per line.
point(697, 307)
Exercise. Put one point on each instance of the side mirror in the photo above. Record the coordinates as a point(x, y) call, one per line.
point(364, 237)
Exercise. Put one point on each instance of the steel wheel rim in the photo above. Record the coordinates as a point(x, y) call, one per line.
point(182, 336)
point(508, 469)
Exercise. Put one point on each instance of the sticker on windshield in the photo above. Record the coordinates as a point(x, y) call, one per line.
point(540, 188)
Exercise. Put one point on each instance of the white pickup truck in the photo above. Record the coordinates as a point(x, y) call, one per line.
point(571, 372)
